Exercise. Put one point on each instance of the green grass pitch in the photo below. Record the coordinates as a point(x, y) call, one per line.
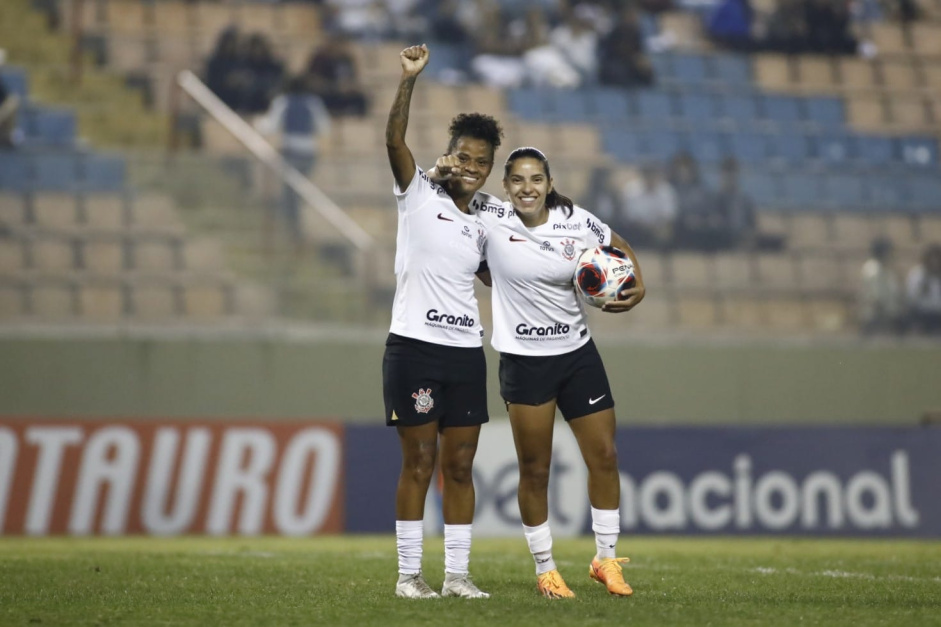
point(349, 580)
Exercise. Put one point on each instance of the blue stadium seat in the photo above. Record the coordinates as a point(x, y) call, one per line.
point(569, 106)
point(626, 145)
point(15, 172)
point(833, 148)
point(801, 191)
point(448, 58)
point(706, 147)
point(609, 104)
point(918, 151)
point(55, 171)
point(529, 104)
point(763, 187)
point(924, 193)
point(827, 113)
point(654, 105)
point(887, 193)
point(49, 126)
point(741, 109)
point(690, 69)
point(698, 107)
point(102, 173)
point(843, 191)
point(15, 80)
point(792, 148)
point(748, 147)
point(662, 145)
point(875, 150)
point(784, 110)
point(732, 70)
point(662, 66)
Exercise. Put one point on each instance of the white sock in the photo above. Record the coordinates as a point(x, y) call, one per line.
point(539, 539)
point(606, 523)
point(457, 543)
point(408, 542)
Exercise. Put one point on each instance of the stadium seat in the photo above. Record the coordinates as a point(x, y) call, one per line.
point(853, 231)
point(56, 171)
point(12, 209)
point(102, 303)
point(654, 105)
point(925, 193)
point(785, 313)
point(12, 258)
point(11, 301)
point(790, 148)
point(926, 39)
point(908, 112)
point(820, 272)
point(833, 148)
point(739, 109)
point(857, 74)
point(54, 255)
point(610, 104)
point(809, 231)
point(58, 210)
point(784, 110)
point(154, 256)
point(763, 187)
point(690, 271)
point(744, 312)
point(103, 256)
point(103, 211)
point(828, 313)
point(827, 113)
point(875, 150)
point(749, 147)
point(690, 69)
point(696, 312)
point(733, 271)
point(902, 76)
point(204, 301)
point(776, 271)
point(102, 172)
point(900, 229)
point(15, 172)
point(52, 301)
point(773, 72)
point(153, 302)
point(50, 127)
point(889, 38)
point(706, 147)
point(816, 73)
point(843, 191)
point(698, 108)
point(732, 71)
point(15, 80)
point(203, 255)
point(867, 113)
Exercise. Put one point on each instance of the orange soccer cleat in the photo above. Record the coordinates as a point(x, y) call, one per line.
point(551, 586)
point(608, 572)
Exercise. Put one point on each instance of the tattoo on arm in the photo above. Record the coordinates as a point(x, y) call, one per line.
point(398, 116)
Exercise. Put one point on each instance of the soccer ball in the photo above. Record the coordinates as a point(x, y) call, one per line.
point(602, 273)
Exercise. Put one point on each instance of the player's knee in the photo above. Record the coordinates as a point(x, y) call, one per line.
point(604, 459)
point(534, 474)
point(459, 472)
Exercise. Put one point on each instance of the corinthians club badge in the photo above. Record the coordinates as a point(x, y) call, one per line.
point(423, 401)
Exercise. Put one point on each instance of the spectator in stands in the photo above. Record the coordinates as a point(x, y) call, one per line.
point(226, 75)
point(828, 27)
point(923, 288)
point(881, 302)
point(621, 58)
point(786, 28)
point(648, 209)
point(9, 105)
point(511, 52)
point(333, 75)
point(700, 225)
point(731, 24)
point(266, 71)
point(736, 206)
point(576, 41)
point(302, 120)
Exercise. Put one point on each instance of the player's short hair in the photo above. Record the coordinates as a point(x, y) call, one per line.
point(476, 125)
point(554, 198)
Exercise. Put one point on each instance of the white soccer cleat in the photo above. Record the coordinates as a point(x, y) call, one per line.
point(414, 587)
point(456, 585)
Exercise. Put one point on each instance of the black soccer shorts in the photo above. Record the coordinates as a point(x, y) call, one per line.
point(576, 380)
point(423, 382)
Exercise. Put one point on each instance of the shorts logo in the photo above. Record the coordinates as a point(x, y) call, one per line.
point(423, 401)
point(568, 249)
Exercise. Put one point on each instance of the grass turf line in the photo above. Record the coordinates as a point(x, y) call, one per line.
point(349, 580)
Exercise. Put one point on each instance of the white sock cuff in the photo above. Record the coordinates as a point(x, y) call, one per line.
point(607, 521)
point(539, 537)
point(409, 528)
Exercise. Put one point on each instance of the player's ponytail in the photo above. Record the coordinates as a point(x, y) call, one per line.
point(553, 198)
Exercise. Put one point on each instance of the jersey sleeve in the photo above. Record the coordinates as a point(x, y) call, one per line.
point(597, 232)
point(419, 191)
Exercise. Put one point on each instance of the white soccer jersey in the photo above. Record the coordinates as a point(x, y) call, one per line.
point(535, 308)
point(438, 249)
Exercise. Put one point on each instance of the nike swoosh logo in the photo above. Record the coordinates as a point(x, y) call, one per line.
point(441, 217)
point(517, 239)
point(592, 401)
